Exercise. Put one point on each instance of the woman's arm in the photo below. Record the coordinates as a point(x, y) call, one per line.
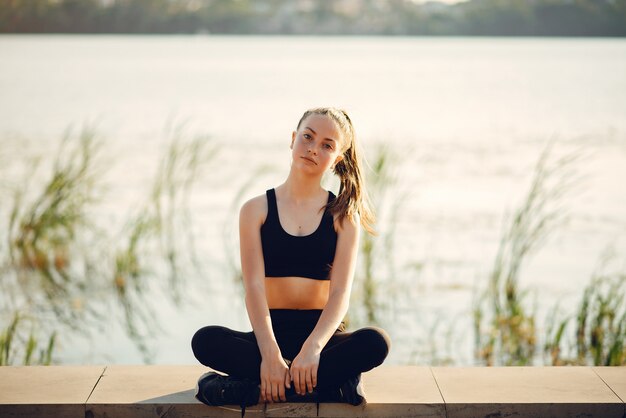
point(253, 271)
point(304, 372)
point(274, 370)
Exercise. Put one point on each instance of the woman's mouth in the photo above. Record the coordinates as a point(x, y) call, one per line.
point(308, 159)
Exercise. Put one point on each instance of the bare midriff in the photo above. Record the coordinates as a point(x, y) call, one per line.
point(296, 293)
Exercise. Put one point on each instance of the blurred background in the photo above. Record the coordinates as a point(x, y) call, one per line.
point(495, 140)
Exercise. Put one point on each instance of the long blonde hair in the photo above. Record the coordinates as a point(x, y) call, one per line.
point(352, 197)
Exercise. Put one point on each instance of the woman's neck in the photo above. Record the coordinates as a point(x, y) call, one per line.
point(301, 187)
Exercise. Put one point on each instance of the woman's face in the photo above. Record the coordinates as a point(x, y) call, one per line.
point(317, 144)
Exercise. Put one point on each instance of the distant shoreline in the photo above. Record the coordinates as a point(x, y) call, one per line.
point(282, 35)
point(493, 18)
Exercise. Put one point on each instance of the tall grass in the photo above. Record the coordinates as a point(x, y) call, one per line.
point(43, 277)
point(598, 334)
point(61, 269)
point(160, 234)
point(43, 234)
point(13, 342)
point(504, 322)
point(377, 251)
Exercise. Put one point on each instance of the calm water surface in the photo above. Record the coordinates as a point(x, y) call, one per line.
point(467, 116)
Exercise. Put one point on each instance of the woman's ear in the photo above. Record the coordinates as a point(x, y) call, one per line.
point(293, 138)
point(339, 158)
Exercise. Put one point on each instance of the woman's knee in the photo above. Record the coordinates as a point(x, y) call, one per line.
point(205, 339)
point(376, 340)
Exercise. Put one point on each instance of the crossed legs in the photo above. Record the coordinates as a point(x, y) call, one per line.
point(345, 355)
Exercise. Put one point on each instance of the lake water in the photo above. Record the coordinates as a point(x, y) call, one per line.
point(468, 118)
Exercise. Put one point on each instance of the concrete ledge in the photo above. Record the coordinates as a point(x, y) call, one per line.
point(529, 392)
point(55, 391)
point(392, 391)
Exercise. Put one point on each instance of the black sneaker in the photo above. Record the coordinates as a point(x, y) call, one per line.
point(352, 391)
point(214, 389)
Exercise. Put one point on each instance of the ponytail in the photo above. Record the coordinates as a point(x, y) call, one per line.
point(352, 198)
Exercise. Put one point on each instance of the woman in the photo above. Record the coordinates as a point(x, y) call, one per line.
point(299, 246)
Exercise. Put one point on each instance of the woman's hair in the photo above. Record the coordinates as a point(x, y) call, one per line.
point(352, 197)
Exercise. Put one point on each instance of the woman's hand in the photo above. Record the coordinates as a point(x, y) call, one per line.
point(274, 378)
point(303, 370)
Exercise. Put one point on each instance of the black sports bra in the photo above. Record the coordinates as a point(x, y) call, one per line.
point(286, 255)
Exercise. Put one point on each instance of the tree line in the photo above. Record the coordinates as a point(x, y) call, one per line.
point(339, 17)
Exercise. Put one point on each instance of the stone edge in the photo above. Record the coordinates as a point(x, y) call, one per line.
point(448, 409)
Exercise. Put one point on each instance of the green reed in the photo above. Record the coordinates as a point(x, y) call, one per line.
point(376, 252)
point(13, 340)
point(45, 273)
point(504, 323)
point(160, 234)
point(599, 333)
point(43, 229)
point(61, 269)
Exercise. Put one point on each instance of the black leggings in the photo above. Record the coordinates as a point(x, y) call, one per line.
point(344, 356)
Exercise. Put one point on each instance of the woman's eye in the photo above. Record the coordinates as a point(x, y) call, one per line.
point(328, 146)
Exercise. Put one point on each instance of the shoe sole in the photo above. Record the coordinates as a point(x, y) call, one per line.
point(361, 392)
point(256, 393)
point(197, 394)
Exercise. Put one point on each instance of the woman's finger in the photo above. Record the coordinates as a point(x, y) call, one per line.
point(281, 392)
point(287, 379)
point(314, 377)
point(309, 383)
point(275, 392)
point(302, 382)
point(268, 391)
point(296, 380)
point(263, 386)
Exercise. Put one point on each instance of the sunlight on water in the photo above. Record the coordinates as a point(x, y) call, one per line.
point(468, 117)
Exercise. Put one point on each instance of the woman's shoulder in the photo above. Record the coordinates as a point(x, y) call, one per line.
point(255, 208)
point(347, 223)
